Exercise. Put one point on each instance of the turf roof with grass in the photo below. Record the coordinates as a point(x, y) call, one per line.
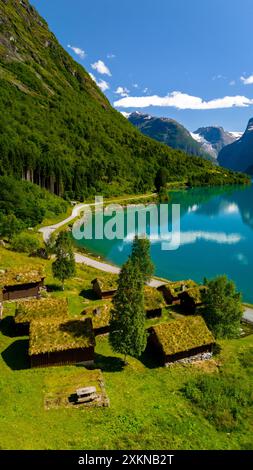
point(107, 283)
point(178, 287)
point(153, 299)
point(195, 293)
point(100, 315)
point(19, 276)
point(59, 336)
point(49, 308)
point(183, 335)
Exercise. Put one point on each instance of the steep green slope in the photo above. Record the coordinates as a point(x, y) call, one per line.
point(239, 155)
point(58, 130)
point(27, 202)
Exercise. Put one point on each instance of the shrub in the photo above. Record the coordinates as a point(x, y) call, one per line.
point(221, 398)
point(25, 243)
point(222, 307)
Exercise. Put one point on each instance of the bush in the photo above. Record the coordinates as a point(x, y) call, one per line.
point(222, 307)
point(25, 243)
point(221, 398)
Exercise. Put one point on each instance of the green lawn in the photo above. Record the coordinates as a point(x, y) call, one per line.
point(148, 407)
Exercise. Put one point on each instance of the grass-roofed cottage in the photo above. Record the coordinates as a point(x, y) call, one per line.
point(105, 288)
point(100, 316)
point(192, 298)
point(184, 338)
point(153, 302)
point(58, 342)
point(39, 309)
point(172, 290)
point(21, 283)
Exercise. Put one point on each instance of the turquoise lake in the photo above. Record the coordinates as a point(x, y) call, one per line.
point(216, 238)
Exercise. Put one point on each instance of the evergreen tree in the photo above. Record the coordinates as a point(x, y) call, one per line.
point(127, 325)
point(141, 257)
point(222, 307)
point(161, 178)
point(64, 266)
point(163, 195)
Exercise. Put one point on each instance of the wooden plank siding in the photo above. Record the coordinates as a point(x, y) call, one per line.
point(21, 291)
point(72, 356)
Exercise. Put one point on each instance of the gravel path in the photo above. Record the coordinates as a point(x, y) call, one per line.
point(47, 231)
point(248, 315)
point(101, 266)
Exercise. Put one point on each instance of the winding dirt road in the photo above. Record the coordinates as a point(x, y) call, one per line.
point(82, 259)
point(101, 266)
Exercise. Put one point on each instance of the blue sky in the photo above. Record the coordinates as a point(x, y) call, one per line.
point(186, 59)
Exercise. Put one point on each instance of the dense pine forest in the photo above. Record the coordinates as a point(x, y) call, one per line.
point(59, 131)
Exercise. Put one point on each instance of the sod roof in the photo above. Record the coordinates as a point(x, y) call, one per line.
point(153, 299)
point(177, 287)
point(56, 336)
point(108, 283)
point(100, 315)
point(39, 309)
point(195, 293)
point(19, 276)
point(183, 335)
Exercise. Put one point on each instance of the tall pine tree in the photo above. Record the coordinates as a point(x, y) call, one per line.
point(127, 325)
point(64, 266)
point(141, 257)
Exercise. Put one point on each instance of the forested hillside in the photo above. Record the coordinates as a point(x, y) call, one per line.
point(168, 131)
point(58, 130)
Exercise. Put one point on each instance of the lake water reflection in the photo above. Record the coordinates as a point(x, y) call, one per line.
point(216, 238)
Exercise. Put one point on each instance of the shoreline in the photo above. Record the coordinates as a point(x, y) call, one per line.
point(80, 258)
point(97, 261)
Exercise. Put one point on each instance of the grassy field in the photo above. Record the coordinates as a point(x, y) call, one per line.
point(149, 408)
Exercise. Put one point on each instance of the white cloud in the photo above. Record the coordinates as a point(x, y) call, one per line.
point(135, 85)
point(215, 237)
point(145, 90)
point(102, 84)
point(232, 82)
point(126, 115)
point(219, 77)
point(242, 259)
point(78, 51)
point(191, 237)
point(122, 91)
point(247, 80)
point(93, 77)
point(232, 208)
point(101, 68)
point(111, 56)
point(179, 100)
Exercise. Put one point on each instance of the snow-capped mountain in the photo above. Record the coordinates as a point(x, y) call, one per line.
point(214, 138)
point(170, 132)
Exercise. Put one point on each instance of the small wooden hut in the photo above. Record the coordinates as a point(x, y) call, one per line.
point(105, 288)
point(153, 301)
point(100, 317)
point(58, 343)
point(181, 339)
point(192, 298)
point(172, 290)
point(21, 283)
point(39, 309)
